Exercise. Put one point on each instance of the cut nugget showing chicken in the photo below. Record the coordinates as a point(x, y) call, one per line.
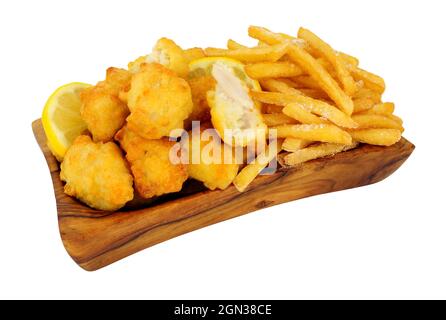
point(233, 113)
point(167, 53)
point(150, 163)
point(102, 110)
point(159, 102)
point(211, 161)
point(97, 174)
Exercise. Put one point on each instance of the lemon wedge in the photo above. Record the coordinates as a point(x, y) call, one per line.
point(61, 118)
point(203, 67)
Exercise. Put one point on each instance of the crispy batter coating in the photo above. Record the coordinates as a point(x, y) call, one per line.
point(102, 110)
point(97, 174)
point(199, 88)
point(212, 169)
point(167, 53)
point(150, 164)
point(159, 101)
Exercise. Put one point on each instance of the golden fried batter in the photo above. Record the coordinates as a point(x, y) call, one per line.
point(212, 168)
point(199, 88)
point(167, 53)
point(151, 167)
point(97, 174)
point(102, 110)
point(159, 101)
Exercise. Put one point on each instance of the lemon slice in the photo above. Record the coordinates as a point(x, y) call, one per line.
point(203, 67)
point(61, 118)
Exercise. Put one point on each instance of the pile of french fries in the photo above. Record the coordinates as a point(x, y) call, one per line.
point(318, 99)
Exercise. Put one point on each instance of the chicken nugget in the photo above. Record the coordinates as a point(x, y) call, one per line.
point(150, 163)
point(167, 53)
point(159, 101)
point(97, 174)
point(217, 165)
point(102, 110)
point(199, 88)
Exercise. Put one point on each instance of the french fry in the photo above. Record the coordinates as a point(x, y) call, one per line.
point(314, 132)
point(315, 94)
point(273, 70)
point(366, 121)
point(233, 45)
point(315, 152)
point(193, 54)
point(333, 57)
point(309, 65)
point(272, 108)
point(293, 144)
point(251, 55)
point(380, 137)
point(395, 118)
point(371, 81)
point(362, 104)
point(306, 82)
point(365, 93)
point(252, 170)
point(277, 119)
point(349, 60)
point(296, 111)
point(317, 107)
point(326, 82)
point(386, 109)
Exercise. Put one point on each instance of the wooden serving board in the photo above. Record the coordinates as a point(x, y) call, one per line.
point(95, 239)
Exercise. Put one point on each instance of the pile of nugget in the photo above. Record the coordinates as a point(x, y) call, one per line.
point(316, 100)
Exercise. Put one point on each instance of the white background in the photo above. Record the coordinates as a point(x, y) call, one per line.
point(382, 241)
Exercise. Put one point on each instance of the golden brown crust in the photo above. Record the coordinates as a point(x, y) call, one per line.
point(102, 110)
point(97, 174)
point(159, 101)
point(153, 172)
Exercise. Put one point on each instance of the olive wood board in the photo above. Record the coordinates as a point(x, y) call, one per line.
point(95, 239)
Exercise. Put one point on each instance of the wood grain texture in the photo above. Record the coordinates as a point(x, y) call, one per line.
point(95, 239)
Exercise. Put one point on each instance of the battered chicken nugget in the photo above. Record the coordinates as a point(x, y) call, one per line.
point(167, 53)
point(217, 166)
point(199, 88)
point(150, 164)
point(102, 110)
point(159, 101)
point(97, 174)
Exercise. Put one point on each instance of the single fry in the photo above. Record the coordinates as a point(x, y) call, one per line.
point(315, 152)
point(301, 114)
point(349, 60)
point(252, 170)
point(371, 81)
point(293, 144)
point(362, 104)
point(314, 132)
point(250, 55)
point(395, 118)
point(317, 107)
point(376, 121)
point(193, 54)
point(273, 70)
point(233, 45)
point(380, 137)
point(277, 119)
point(272, 108)
point(366, 93)
point(385, 109)
point(333, 57)
point(305, 81)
